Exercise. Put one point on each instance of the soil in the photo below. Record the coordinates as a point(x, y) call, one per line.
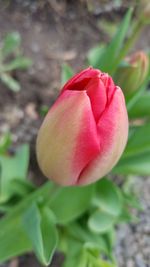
point(53, 32)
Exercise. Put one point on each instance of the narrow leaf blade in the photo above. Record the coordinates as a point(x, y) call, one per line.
point(10, 82)
point(11, 42)
point(41, 231)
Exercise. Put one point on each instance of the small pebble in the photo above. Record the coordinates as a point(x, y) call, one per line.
point(133, 240)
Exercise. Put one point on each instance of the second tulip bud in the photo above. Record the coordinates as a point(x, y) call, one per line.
point(132, 74)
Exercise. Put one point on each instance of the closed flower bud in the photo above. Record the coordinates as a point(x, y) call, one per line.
point(132, 75)
point(85, 131)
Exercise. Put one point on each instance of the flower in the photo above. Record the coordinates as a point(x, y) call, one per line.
point(85, 131)
point(133, 73)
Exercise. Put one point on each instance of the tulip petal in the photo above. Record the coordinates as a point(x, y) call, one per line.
point(97, 94)
point(113, 130)
point(80, 80)
point(109, 85)
point(67, 140)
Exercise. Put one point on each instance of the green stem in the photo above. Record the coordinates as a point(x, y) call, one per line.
point(40, 195)
point(132, 39)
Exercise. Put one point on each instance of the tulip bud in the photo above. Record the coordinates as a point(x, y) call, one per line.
point(85, 132)
point(132, 75)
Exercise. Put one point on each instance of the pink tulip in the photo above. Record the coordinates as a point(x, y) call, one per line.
point(85, 131)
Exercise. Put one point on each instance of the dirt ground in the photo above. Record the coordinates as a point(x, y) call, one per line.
point(52, 32)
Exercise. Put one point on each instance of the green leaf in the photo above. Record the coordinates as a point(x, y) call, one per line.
point(18, 63)
point(79, 259)
point(104, 263)
point(95, 54)
point(10, 82)
point(110, 58)
point(71, 202)
point(66, 73)
point(6, 207)
point(21, 187)
point(136, 96)
point(136, 158)
point(136, 164)
point(5, 142)
point(13, 167)
point(87, 237)
point(11, 43)
point(42, 232)
point(131, 200)
point(141, 108)
point(96, 260)
point(131, 102)
point(110, 239)
point(14, 241)
point(126, 215)
point(108, 197)
point(100, 221)
point(139, 141)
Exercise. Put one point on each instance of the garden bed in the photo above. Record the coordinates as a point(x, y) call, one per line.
point(53, 34)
